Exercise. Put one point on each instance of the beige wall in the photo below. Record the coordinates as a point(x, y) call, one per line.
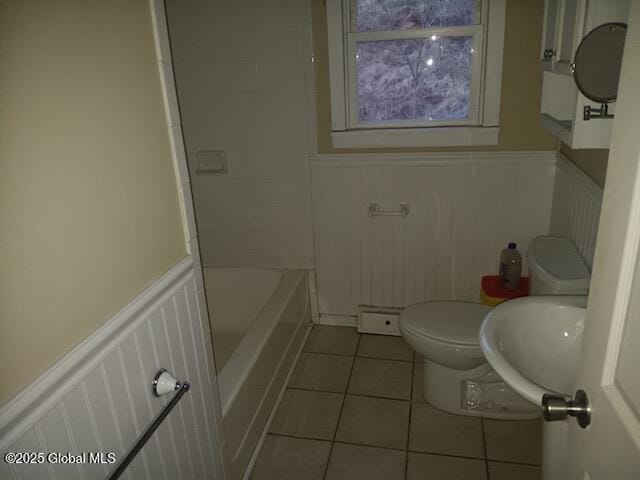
point(89, 213)
point(521, 82)
point(593, 162)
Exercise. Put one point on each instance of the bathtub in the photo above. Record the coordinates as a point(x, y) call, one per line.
point(259, 319)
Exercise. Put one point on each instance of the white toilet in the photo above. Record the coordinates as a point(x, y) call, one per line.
point(457, 377)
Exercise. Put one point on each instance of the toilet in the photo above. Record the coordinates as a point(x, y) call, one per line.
point(456, 376)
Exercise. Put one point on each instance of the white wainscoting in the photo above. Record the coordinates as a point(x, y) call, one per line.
point(98, 398)
point(576, 208)
point(464, 208)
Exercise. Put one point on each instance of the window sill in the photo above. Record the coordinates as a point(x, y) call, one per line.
point(416, 137)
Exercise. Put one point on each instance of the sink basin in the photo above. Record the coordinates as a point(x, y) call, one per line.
point(533, 343)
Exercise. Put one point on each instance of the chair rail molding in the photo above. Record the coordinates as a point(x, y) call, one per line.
point(98, 397)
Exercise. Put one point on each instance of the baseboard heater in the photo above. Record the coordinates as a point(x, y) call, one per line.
point(379, 320)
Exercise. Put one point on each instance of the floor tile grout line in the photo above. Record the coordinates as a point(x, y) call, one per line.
point(305, 389)
point(300, 437)
point(406, 455)
point(512, 462)
point(344, 398)
point(353, 394)
point(438, 454)
point(333, 354)
point(377, 396)
point(369, 357)
point(484, 446)
point(407, 450)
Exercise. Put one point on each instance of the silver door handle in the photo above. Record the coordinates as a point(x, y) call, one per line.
point(556, 407)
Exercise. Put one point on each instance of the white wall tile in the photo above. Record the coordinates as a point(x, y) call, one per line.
point(256, 218)
point(227, 244)
point(249, 100)
point(238, 192)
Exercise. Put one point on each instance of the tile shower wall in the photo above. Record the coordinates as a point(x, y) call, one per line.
point(464, 208)
point(241, 68)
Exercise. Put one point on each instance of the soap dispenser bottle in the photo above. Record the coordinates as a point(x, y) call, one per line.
point(510, 267)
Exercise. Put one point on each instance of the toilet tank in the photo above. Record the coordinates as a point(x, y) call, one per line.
point(556, 267)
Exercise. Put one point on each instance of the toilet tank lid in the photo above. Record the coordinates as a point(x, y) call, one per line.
point(447, 321)
point(558, 261)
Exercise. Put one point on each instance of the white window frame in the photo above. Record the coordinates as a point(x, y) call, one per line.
point(480, 128)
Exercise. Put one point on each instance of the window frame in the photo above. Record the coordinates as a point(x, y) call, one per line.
point(480, 128)
point(474, 31)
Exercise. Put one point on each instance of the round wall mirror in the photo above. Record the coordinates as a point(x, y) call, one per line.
point(598, 62)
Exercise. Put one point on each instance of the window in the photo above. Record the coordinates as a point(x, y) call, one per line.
point(404, 72)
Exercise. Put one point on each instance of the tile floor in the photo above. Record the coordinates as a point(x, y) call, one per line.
point(354, 410)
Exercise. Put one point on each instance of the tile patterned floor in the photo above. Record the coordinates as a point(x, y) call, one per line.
point(354, 410)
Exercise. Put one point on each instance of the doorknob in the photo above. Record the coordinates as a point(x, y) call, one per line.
point(556, 407)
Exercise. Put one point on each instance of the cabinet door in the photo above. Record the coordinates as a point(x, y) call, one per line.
point(568, 34)
point(549, 30)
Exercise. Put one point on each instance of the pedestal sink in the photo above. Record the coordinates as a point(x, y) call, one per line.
point(533, 343)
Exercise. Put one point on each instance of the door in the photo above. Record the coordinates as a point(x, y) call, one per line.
point(549, 27)
point(609, 448)
point(568, 34)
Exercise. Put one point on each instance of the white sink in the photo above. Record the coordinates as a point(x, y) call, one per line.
point(533, 343)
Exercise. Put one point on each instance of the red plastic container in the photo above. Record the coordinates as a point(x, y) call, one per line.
point(492, 292)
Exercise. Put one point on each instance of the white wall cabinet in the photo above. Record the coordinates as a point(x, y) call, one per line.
point(565, 23)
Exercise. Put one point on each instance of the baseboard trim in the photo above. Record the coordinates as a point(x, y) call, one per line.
point(338, 320)
point(34, 401)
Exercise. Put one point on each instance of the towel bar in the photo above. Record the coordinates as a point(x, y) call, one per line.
point(374, 210)
point(160, 383)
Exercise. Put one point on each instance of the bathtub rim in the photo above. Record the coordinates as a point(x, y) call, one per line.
point(239, 365)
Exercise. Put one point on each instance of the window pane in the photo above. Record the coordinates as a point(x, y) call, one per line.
point(420, 80)
point(378, 15)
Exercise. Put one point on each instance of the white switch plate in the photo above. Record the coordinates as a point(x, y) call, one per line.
point(211, 162)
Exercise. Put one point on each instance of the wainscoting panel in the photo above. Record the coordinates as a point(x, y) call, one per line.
point(576, 208)
point(99, 398)
point(464, 208)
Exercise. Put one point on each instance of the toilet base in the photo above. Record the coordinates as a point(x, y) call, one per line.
point(478, 392)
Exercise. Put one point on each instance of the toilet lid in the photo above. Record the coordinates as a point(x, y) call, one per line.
point(447, 321)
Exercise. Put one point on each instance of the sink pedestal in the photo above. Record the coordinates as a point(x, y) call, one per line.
point(554, 448)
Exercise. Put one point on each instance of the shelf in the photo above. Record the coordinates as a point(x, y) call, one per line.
point(559, 128)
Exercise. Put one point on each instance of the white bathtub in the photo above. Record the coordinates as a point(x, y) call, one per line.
point(259, 320)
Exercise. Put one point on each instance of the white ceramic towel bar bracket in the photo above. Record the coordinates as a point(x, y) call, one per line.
point(163, 383)
point(374, 210)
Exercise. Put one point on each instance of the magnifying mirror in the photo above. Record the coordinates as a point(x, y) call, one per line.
point(597, 64)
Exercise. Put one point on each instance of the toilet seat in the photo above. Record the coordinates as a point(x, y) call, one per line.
point(450, 322)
